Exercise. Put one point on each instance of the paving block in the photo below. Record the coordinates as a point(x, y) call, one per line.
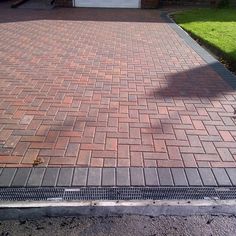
point(207, 177)
point(108, 177)
point(65, 177)
point(232, 175)
point(193, 177)
point(21, 177)
point(137, 176)
point(179, 177)
point(165, 177)
point(151, 177)
point(221, 177)
point(50, 177)
point(122, 177)
point(7, 176)
point(36, 177)
point(94, 177)
point(80, 177)
point(101, 144)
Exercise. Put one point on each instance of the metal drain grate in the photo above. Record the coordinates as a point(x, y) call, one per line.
point(141, 193)
point(122, 193)
point(32, 194)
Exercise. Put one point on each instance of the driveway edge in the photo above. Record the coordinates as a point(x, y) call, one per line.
point(29, 210)
point(218, 67)
point(116, 177)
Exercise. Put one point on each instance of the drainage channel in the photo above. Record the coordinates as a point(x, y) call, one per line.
point(117, 193)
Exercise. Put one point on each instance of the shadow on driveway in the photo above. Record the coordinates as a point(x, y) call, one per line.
point(78, 14)
point(200, 82)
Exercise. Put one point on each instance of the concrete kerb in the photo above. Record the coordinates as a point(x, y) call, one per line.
point(31, 210)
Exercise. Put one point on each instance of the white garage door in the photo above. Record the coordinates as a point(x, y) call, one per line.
point(108, 3)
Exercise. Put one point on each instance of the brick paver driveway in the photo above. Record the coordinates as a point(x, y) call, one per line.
point(108, 88)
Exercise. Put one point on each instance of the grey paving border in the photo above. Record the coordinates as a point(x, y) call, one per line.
point(203, 53)
point(117, 177)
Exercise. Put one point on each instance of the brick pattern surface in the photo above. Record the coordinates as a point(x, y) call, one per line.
point(108, 88)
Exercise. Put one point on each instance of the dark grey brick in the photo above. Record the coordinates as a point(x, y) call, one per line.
point(65, 177)
point(7, 176)
point(80, 177)
point(193, 177)
point(151, 177)
point(137, 177)
point(221, 177)
point(207, 177)
point(165, 177)
point(122, 177)
point(50, 177)
point(36, 177)
point(232, 175)
point(21, 177)
point(108, 177)
point(94, 177)
point(179, 177)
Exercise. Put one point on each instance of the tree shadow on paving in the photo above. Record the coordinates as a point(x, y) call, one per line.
point(200, 82)
point(198, 85)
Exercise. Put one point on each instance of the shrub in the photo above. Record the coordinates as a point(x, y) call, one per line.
point(223, 3)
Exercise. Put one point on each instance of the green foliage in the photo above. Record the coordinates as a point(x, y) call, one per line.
point(215, 28)
point(223, 4)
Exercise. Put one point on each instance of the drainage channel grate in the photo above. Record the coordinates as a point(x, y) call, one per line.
point(31, 194)
point(122, 193)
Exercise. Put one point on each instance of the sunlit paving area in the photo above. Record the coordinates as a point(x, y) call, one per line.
point(108, 88)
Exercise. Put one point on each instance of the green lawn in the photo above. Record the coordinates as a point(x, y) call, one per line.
point(214, 27)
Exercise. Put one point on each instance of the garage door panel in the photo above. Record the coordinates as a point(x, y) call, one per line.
point(108, 3)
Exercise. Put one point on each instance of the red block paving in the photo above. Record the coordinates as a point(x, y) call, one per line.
point(87, 87)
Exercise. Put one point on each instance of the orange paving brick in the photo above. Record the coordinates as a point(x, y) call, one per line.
point(108, 88)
